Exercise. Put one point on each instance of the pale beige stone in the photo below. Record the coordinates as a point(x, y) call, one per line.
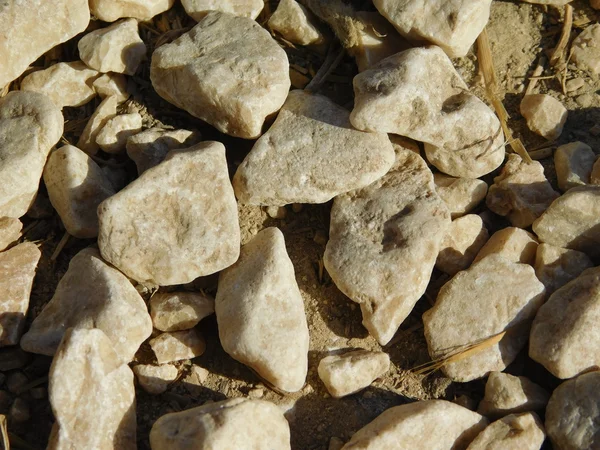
point(227, 71)
point(544, 114)
point(464, 238)
point(105, 111)
point(235, 424)
point(461, 195)
point(516, 431)
point(178, 345)
point(512, 243)
point(586, 49)
point(175, 311)
point(112, 138)
point(548, 2)
point(109, 84)
point(295, 23)
point(10, 231)
point(111, 10)
point(197, 9)
point(260, 312)
point(155, 379)
point(573, 163)
point(555, 266)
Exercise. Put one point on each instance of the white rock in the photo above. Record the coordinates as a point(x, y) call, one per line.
point(111, 10)
point(523, 431)
point(315, 153)
point(112, 137)
point(175, 311)
point(107, 301)
point(573, 163)
point(155, 379)
point(464, 238)
point(295, 23)
point(260, 312)
point(10, 231)
point(176, 222)
point(197, 9)
point(111, 84)
point(461, 195)
point(457, 320)
point(512, 243)
point(227, 71)
point(555, 266)
point(544, 114)
point(104, 112)
point(235, 424)
point(384, 240)
point(178, 345)
point(116, 48)
point(586, 49)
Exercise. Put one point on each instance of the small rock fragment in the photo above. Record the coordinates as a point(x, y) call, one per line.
point(197, 9)
point(112, 138)
point(175, 311)
point(111, 10)
point(10, 231)
point(523, 431)
point(544, 114)
point(295, 23)
point(276, 212)
point(155, 379)
point(512, 243)
point(586, 49)
point(19, 411)
point(104, 112)
point(461, 195)
point(16, 381)
point(178, 345)
point(573, 163)
point(464, 238)
point(555, 266)
point(111, 84)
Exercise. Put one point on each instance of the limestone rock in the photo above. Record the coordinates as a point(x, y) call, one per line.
point(461, 195)
point(384, 240)
point(512, 243)
point(111, 10)
point(10, 231)
point(197, 9)
point(464, 238)
point(260, 312)
point(573, 163)
point(295, 23)
point(521, 192)
point(112, 138)
point(92, 394)
point(111, 84)
point(178, 345)
point(104, 112)
point(17, 271)
point(523, 431)
point(155, 379)
point(586, 49)
point(116, 48)
point(227, 71)
point(76, 186)
point(107, 301)
point(478, 304)
point(175, 311)
point(310, 155)
point(176, 222)
point(544, 114)
point(30, 124)
point(235, 424)
point(548, 2)
point(555, 266)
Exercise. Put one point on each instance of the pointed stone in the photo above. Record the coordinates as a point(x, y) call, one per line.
point(175, 311)
point(103, 113)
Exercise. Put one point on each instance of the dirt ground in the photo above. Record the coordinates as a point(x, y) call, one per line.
point(519, 33)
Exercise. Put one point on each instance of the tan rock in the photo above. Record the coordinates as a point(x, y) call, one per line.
point(586, 49)
point(548, 2)
point(544, 114)
point(155, 379)
point(512, 243)
point(111, 10)
point(595, 4)
point(595, 175)
point(104, 112)
point(555, 266)
point(178, 345)
point(295, 23)
point(111, 84)
point(175, 311)
point(198, 9)
point(10, 231)
point(464, 238)
point(523, 431)
point(461, 195)
point(112, 138)
point(573, 163)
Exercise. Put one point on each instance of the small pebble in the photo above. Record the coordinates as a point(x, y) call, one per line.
point(276, 212)
point(19, 411)
point(574, 84)
point(178, 345)
point(544, 114)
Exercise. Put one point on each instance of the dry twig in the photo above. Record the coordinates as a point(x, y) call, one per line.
point(557, 55)
point(4, 442)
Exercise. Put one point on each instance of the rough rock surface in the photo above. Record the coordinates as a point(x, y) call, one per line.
point(544, 114)
point(103, 113)
point(111, 10)
point(573, 163)
point(555, 266)
point(175, 311)
point(295, 23)
point(112, 138)
point(227, 71)
point(10, 231)
point(586, 49)
point(595, 175)
point(155, 379)
point(523, 431)
point(111, 84)
point(461, 195)
point(178, 345)
point(512, 243)
point(197, 9)
point(464, 238)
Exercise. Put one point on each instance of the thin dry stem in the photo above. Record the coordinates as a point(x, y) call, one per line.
point(559, 51)
point(4, 441)
point(61, 244)
point(536, 76)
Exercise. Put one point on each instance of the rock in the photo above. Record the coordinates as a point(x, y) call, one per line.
point(353, 371)
point(116, 48)
point(512, 243)
point(19, 411)
point(178, 345)
point(595, 175)
point(441, 425)
point(295, 23)
point(30, 124)
point(111, 10)
point(573, 415)
point(384, 240)
point(507, 394)
point(109, 84)
point(190, 204)
point(521, 192)
point(573, 163)
point(86, 364)
point(544, 114)
point(235, 424)
point(150, 147)
point(13, 358)
point(586, 49)
point(106, 301)
point(564, 337)
point(104, 112)
point(595, 4)
point(10, 231)
point(464, 238)
point(198, 73)
point(155, 379)
point(260, 312)
point(523, 431)
point(66, 84)
point(555, 266)
point(175, 311)
point(17, 271)
point(76, 186)
point(548, 2)
point(112, 138)
point(16, 381)
point(457, 322)
point(461, 195)
point(198, 9)
point(315, 153)
point(276, 212)
point(26, 36)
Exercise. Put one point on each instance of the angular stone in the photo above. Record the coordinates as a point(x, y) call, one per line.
point(104, 112)
point(178, 345)
point(315, 152)
point(544, 114)
point(17, 271)
point(233, 424)
point(155, 379)
point(10, 231)
point(461, 195)
point(295, 23)
point(176, 222)
point(512, 243)
point(523, 431)
point(573, 163)
point(111, 10)
point(92, 394)
point(175, 311)
point(457, 321)
point(109, 84)
point(464, 238)
point(76, 186)
point(260, 312)
point(384, 240)
point(106, 300)
point(112, 138)
point(555, 266)
point(227, 71)
point(116, 48)
point(586, 49)
point(198, 9)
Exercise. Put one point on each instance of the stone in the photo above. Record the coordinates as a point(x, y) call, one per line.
point(352, 371)
point(10, 231)
point(13, 358)
point(512, 243)
point(260, 312)
point(295, 23)
point(103, 113)
point(107, 301)
point(175, 311)
point(555, 266)
point(315, 152)
point(573, 163)
point(478, 304)
point(111, 10)
point(155, 379)
point(109, 84)
point(234, 424)
point(521, 192)
point(544, 114)
point(17, 271)
point(507, 394)
point(384, 240)
point(523, 431)
point(564, 337)
point(198, 9)
point(595, 175)
point(276, 212)
point(19, 411)
point(420, 425)
point(227, 71)
point(189, 203)
point(586, 49)
point(150, 147)
point(595, 4)
point(87, 364)
point(112, 138)
point(16, 381)
point(76, 186)
point(66, 84)
point(115, 48)
point(573, 414)
point(464, 238)
point(30, 124)
point(461, 195)
point(178, 345)
point(548, 2)
point(26, 36)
